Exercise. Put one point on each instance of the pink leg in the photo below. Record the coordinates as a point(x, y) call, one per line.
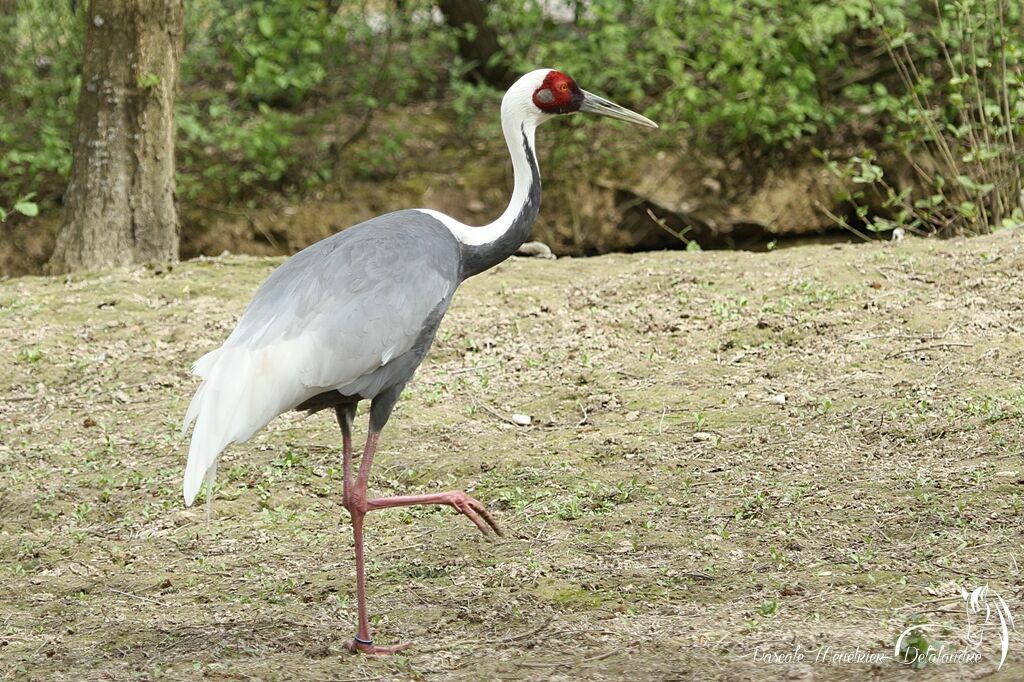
point(357, 504)
point(363, 643)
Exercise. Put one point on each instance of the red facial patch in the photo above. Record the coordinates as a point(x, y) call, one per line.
point(558, 94)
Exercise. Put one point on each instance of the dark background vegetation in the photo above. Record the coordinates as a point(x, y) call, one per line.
point(297, 118)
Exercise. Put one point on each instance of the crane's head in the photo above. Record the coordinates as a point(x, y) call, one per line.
point(546, 93)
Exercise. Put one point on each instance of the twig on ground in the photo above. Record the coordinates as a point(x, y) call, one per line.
point(475, 368)
point(136, 596)
point(966, 574)
point(574, 663)
point(494, 412)
point(583, 409)
point(933, 346)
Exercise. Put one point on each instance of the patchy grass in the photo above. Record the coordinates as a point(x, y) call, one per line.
point(729, 453)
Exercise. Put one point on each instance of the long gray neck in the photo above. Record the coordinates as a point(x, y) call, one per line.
point(514, 225)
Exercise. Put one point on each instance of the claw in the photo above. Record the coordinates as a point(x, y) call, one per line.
point(475, 510)
point(487, 517)
point(466, 508)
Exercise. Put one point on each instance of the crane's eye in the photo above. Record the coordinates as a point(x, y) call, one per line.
point(564, 87)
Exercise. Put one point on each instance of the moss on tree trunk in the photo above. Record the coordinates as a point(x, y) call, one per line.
point(120, 203)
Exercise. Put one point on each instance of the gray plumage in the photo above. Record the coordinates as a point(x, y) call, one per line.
point(373, 294)
point(349, 318)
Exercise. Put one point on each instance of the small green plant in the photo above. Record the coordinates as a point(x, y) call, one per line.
point(728, 309)
point(751, 505)
point(595, 498)
point(25, 206)
point(147, 81)
point(914, 647)
point(82, 511)
point(290, 459)
point(862, 556)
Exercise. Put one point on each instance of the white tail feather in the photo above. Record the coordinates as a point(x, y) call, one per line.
point(243, 389)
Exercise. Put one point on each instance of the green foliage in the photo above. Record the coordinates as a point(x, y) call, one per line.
point(915, 649)
point(743, 73)
point(42, 48)
point(281, 96)
point(270, 91)
point(265, 52)
point(275, 91)
point(955, 112)
point(25, 206)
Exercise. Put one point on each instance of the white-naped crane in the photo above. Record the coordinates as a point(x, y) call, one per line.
point(350, 318)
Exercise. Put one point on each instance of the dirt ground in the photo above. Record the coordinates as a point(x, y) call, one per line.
point(732, 457)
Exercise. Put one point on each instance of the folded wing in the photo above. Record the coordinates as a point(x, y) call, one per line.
point(325, 318)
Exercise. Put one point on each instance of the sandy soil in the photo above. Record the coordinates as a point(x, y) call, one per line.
point(731, 455)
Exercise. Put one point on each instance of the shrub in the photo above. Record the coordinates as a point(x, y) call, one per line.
point(746, 73)
point(955, 113)
point(274, 93)
point(42, 48)
point(267, 83)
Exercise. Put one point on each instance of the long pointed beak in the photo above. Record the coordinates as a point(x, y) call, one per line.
point(592, 104)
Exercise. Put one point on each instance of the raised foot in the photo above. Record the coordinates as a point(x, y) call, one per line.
point(470, 507)
point(374, 650)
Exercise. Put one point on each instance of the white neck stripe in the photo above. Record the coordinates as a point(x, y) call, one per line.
point(519, 117)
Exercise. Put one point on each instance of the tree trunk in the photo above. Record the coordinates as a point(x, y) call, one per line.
point(479, 44)
point(119, 208)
